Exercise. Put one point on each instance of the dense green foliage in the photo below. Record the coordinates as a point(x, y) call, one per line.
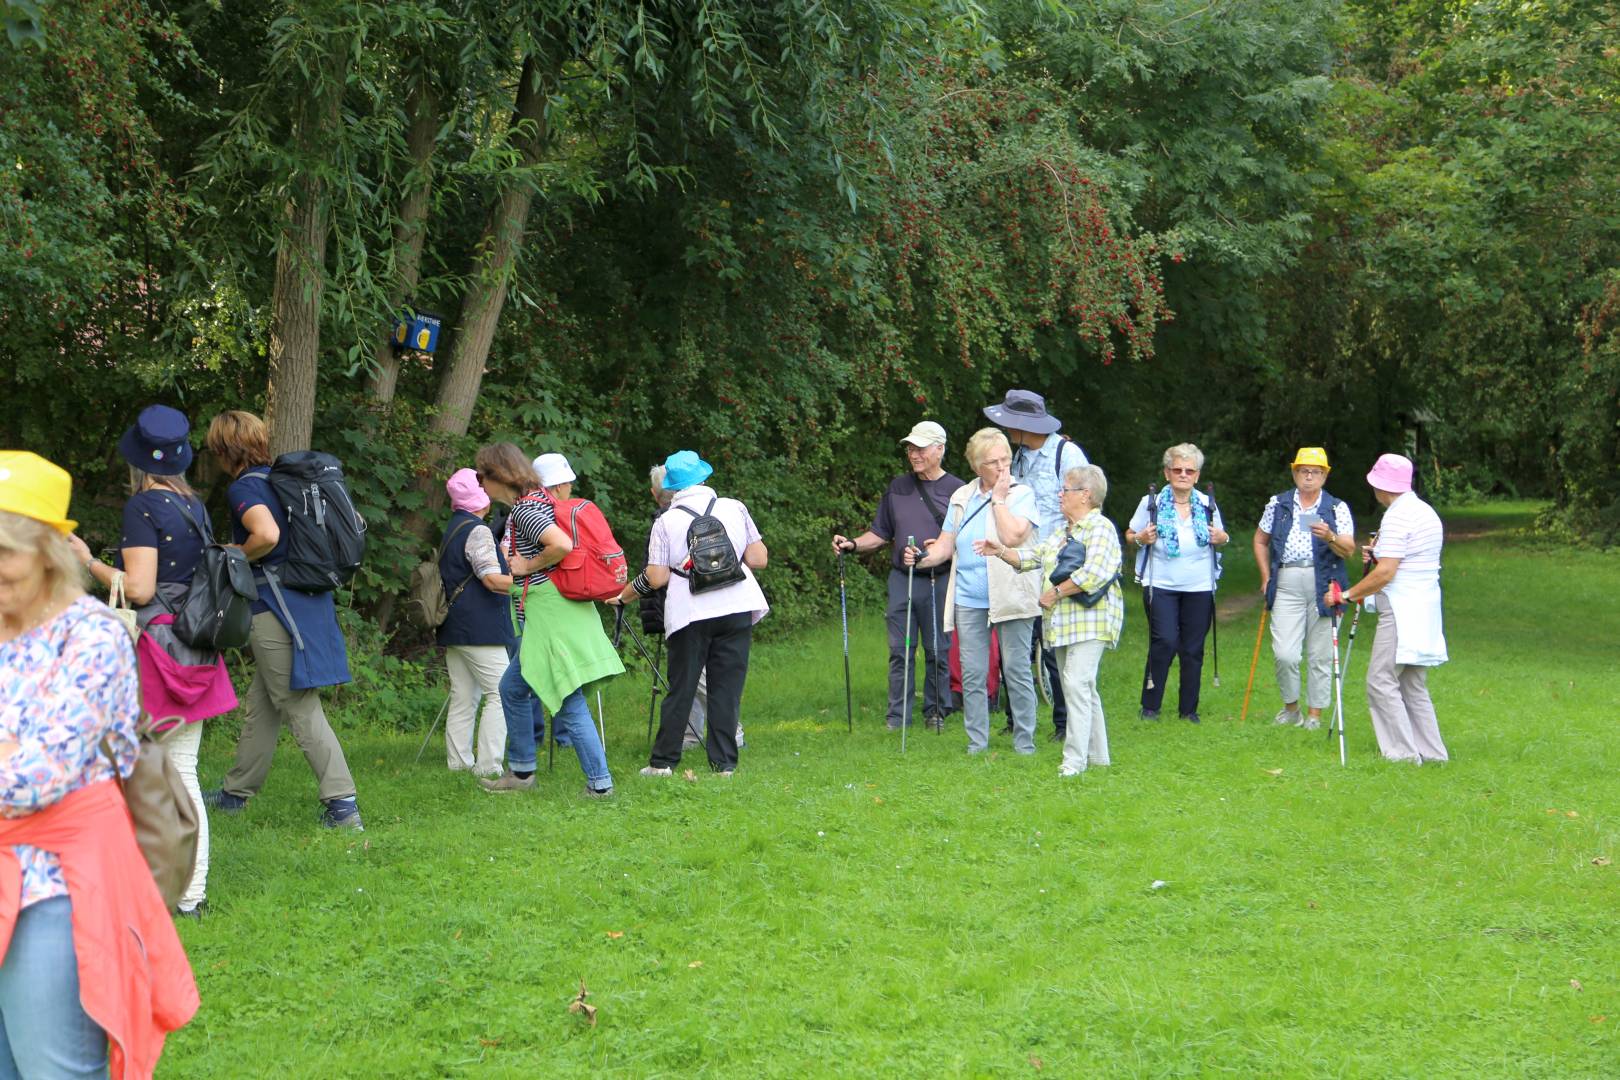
point(836, 909)
point(781, 233)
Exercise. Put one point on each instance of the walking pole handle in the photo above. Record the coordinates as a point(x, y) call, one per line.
point(1336, 595)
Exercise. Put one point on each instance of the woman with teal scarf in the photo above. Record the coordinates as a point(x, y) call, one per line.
point(1177, 535)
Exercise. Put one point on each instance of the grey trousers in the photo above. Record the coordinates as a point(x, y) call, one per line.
point(1398, 698)
point(927, 630)
point(1298, 632)
point(1017, 674)
point(271, 703)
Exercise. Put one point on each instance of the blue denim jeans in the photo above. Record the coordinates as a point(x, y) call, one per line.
point(573, 722)
point(45, 1030)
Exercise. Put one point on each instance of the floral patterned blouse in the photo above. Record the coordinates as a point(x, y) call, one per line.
point(64, 686)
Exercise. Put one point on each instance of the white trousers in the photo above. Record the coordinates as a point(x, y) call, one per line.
point(1086, 741)
point(1299, 632)
point(1398, 698)
point(182, 746)
point(475, 677)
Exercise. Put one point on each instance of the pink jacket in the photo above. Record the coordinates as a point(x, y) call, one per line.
point(134, 978)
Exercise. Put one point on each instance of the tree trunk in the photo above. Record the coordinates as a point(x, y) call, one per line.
point(295, 299)
point(410, 231)
point(498, 249)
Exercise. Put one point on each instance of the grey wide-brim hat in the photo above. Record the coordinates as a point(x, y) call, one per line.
point(1023, 410)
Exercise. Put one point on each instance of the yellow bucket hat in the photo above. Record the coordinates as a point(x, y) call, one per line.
point(1312, 455)
point(34, 488)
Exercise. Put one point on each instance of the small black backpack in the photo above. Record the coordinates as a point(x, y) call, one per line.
point(217, 612)
point(711, 561)
point(326, 536)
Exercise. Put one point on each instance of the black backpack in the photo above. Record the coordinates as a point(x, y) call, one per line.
point(711, 561)
point(326, 536)
point(217, 612)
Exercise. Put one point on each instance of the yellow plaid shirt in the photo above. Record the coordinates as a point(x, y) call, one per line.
point(1069, 622)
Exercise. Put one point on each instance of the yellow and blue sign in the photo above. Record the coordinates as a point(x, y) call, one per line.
point(418, 331)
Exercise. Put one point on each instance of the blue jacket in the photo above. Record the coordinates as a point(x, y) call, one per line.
point(1329, 567)
point(477, 616)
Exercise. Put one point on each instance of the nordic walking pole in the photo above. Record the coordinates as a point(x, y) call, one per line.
point(843, 617)
point(905, 666)
point(1349, 648)
point(1253, 661)
point(601, 721)
point(1147, 557)
point(1338, 674)
point(652, 702)
point(1214, 588)
point(432, 729)
point(933, 614)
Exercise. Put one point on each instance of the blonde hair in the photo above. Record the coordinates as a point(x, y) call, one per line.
point(1185, 451)
point(239, 440)
point(140, 480)
point(64, 577)
point(655, 478)
point(982, 440)
point(1092, 479)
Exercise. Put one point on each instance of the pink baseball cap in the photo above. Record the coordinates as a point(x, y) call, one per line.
point(466, 493)
point(1392, 473)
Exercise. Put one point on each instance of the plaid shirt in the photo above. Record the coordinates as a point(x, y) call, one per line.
point(1069, 622)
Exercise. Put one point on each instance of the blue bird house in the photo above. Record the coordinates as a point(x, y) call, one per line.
point(417, 331)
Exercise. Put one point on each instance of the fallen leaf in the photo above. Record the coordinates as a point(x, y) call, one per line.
point(1601, 860)
point(1575, 984)
point(695, 964)
point(1597, 1019)
point(1550, 810)
point(615, 934)
point(1311, 904)
point(689, 776)
point(878, 799)
point(1571, 813)
point(489, 1042)
point(456, 936)
point(581, 1006)
point(1272, 772)
point(1037, 1062)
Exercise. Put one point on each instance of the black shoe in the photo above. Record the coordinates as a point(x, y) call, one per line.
point(1057, 736)
point(195, 913)
point(934, 723)
point(223, 801)
point(1008, 730)
point(1149, 714)
point(1190, 717)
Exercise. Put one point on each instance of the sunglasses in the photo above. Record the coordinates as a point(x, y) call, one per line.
point(1182, 470)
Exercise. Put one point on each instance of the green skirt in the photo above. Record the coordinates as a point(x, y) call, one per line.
point(563, 646)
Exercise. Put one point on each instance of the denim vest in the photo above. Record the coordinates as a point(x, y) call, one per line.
point(1329, 567)
point(478, 616)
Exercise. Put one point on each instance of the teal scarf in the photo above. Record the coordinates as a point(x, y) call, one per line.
point(1167, 512)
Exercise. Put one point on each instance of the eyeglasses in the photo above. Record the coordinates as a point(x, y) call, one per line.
point(1070, 489)
point(997, 462)
point(1183, 470)
point(1309, 472)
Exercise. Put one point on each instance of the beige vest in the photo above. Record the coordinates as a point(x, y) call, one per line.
point(1013, 595)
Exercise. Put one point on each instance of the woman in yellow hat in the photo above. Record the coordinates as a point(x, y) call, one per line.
point(1304, 535)
point(86, 932)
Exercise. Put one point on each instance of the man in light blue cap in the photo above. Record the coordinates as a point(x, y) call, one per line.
point(1041, 458)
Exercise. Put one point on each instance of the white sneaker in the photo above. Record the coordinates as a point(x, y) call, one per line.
point(654, 770)
point(1312, 723)
point(1291, 717)
point(1070, 772)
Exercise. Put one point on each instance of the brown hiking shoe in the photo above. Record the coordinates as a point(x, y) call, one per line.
point(507, 781)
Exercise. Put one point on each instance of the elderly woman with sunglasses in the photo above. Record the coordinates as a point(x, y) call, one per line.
point(1177, 533)
point(1083, 606)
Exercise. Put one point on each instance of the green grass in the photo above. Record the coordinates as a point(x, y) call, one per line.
point(837, 909)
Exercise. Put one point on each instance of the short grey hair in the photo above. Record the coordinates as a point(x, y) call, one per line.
point(1091, 478)
point(655, 479)
point(1184, 452)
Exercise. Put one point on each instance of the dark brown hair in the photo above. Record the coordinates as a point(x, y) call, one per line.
point(504, 463)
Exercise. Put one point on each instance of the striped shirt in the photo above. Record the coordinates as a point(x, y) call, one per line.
point(1411, 532)
point(532, 515)
point(1069, 622)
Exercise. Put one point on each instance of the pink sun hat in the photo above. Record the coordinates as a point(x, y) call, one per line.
point(1392, 473)
point(466, 493)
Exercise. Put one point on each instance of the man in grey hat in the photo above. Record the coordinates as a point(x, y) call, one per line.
point(914, 505)
point(1041, 458)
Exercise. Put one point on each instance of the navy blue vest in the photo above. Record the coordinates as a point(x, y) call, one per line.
point(1329, 567)
point(478, 616)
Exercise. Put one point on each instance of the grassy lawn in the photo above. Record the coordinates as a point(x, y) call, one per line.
point(837, 909)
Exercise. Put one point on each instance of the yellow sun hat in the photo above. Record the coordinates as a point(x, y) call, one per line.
point(34, 488)
point(1312, 455)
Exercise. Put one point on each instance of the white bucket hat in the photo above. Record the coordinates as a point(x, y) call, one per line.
point(553, 469)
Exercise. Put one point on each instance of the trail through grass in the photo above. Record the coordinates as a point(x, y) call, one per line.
point(837, 909)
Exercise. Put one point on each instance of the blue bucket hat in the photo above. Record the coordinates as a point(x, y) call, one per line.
point(684, 468)
point(159, 442)
point(1023, 410)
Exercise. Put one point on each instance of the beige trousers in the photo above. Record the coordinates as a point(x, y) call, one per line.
point(1299, 632)
point(475, 676)
point(1398, 698)
point(1086, 740)
point(271, 702)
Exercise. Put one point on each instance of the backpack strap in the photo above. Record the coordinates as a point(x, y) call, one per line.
point(444, 547)
point(922, 493)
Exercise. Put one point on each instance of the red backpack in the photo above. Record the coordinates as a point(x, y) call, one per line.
point(596, 569)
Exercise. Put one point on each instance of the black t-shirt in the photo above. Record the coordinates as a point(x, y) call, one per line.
point(903, 512)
